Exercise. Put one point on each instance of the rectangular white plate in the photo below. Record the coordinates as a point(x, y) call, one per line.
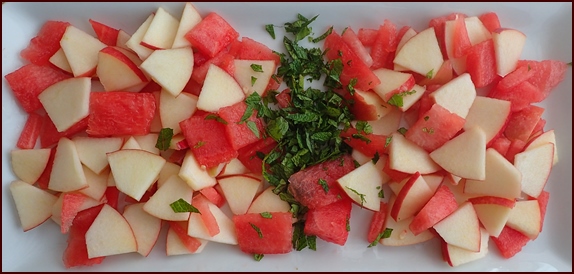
point(548, 27)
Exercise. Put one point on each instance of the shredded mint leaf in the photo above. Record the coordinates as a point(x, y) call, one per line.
point(182, 205)
point(361, 196)
point(256, 67)
point(216, 118)
point(258, 257)
point(382, 235)
point(300, 240)
point(323, 36)
point(253, 80)
point(277, 128)
point(351, 85)
point(266, 215)
point(356, 163)
point(388, 140)
point(363, 126)
point(381, 193)
point(430, 74)
point(428, 130)
point(199, 144)
point(396, 100)
point(164, 139)
point(324, 185)
point(269, 28)
point(257, 229)
point(253, 127)
point(376, 158)
point(402, 131)
point(361, 137)
point(569, 64)
point(347, 225)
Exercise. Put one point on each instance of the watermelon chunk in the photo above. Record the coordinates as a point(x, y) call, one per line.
point(259, 235)
point(510, 242)
point(50, 136)
point(29, 81)
point(76, 253)
point(30, 132)
point(434, 128)
point(240, 135)
point(105, 33)
point(377, 223)
point(249, 49)
point(376, 142)
point(367, 36)
point(223, 60)
point(490, 21)
point(461, 41)
point(438, 24)
point(248, 155)
point(521, 95)
point(481, 63)
point(207, 140)
point(548, 74)
point(71, 204)
point(305, 187)
point(180, 229)
point(385, 43)
point(330, 222)
point(212, 34)
point(46, 43)
point(522, 123)
point(120, 113)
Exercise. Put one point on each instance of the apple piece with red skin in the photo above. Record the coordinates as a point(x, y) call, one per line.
point(457, 96)
point(219, 90)
point(392, 82)
point(239, 191)
point(535, 166)
point(268, 201)
point(161, 31)
point(508, 45)
point(159, 204)
point(388, 123)
point(421, 54)
point(439, 206)
point(493, 212)
point(134, 43)
point(195, 175)
point(405, 156)
point(234, 167)
point(363, 184)
point(526, 218)
point(175, 246)
point(490, 114)
point(456, 256)
point(502, 179)
point(29, 164)
point(92, 151)
point(250, 77)
point(110, 234)
point(190, 17)
point(401, 234)
point(67, 102)
point(174, 109)
point(34, 205)
point(412, 198)
point(461, 228)
point(146, 228)
point(196, 227)
point(546, 137)
point(368, 106)
point(170, 68)
point(67, 173)
point(60, 61)
point(118, 69)
point(81, 50)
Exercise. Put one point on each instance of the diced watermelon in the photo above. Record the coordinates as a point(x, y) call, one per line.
point(425, 102)
point(29, 81)
point(353, 67)
point(223, 60)
point(481, 63)
point(44, 179)
point(516, 146)
point(440, 205)
point(350, 37)
point(385, 43)
point(521, 96)
point(259, 235)
point(202, 205)
point(180, 229)
point(305, 187)
point(522, 123)
point(330, 222)
point(490, 21)
point(367, 36)
point(212, 34)
point(120, 113)
point(249, 49)
point(438, 25)
point(543, 199)
point(434, 128)
point(105, 33)
point(207, 140)
point(76, 253)
point(199, 58)
point(239, 134)
point(376, 143)
point(501, 144)
point(538, 128)
point(112, 195)
point(510, 242)
point(443, 75)
point(284, 98)
point(30, 132)
point(248, 155)
point(377, 223)
point(71, 204)
point(45, 43)
point(548, 74)
point(461, 41)
point(519, 75)
point(211, 194)
point(50, 136)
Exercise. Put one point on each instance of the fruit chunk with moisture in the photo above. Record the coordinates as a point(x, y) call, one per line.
point(76, 253)
point(212, 34)
point(264, 233)
point(330, 222)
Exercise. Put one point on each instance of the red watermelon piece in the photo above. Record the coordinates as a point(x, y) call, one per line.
point(211, 194)
point(44, 179)
point(440, 205)
point(329, 222)
point(249, 49)
point(385, 43)
point(490, 21)
point(548, 74)
point(461, 41)
point(29, 81)
point(284, 98)
point(522, 123)
point(76, 253)
point(45, 43)
point(376, 143)
point(481, 63)
point(377, 223)
point(239, 135)
point(112, 195)
point(259, 235)
point(438, 24)
point(305, 187)
point(223, 60)
point(501, 144)
point(519, 75)
point(120, 113)
point(434, 128)
point(521, 95)
point(212, 34)
point(367, 36)
point(180, 229)
point(510, 242)
point(30, 132)
point(105, 33)
point(50, 136)
point(71, 204)
point(207, 140)
point(248, 154)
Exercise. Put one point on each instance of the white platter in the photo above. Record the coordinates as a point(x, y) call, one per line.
point(548, 27)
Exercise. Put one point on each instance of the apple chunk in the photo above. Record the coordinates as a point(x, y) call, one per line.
point(490, 114)
point(535, 166)
point(161, 31)
point(411, 198)
point(492, 212)
point(118, 69)
point(401, 234)
point(463, 155)
point(525, 217)
point(508, 45)
point(456, 256)
point(457, 95)
point(219, 90)
point(190, 17)
point(405, 156)
point(197, 228)
point(92, 151)
point(145, 227)
point(461, 228)
point(502, 179)
point(28, 164)
point(421, 54)
point(67, 102)
point(193, 174)
point(110, 234)
point(81, 50)
point(268, 201)
point(253, 75)
point(170, 68)
point(239, 191)
point(67, 173)
point(134, 170)
point(363, 184)
point(174, 109)
point(34, 205)
point(172, 190)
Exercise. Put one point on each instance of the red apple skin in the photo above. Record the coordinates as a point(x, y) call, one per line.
point(362, 109)
point(492, 200)
point(406, 86)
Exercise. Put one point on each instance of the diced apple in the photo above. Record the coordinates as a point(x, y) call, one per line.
point(189, 19)
point(268, 201)
point(493, 212)
point(508, 45)
point(250, 77)
point(67, 207)
point(147, 142)
point(407, 157)
point(461, 228)
point(234, 167)
point(67, 102)
point(411, 97)
point(174, 245)
point(363, 184)
point(196, 228)
point(388, 123)
point(170, 68)
point(219, 90)
point(134, 43)
point(411, 198)
point(239, 192)
point(172, 190)
point(34, 205)
point(369, 106)
point(167, 170)
point(29, 164)
point(134, 170)
point(110, 234)
point(60, 61)
point(193, 174)
point(476, 30)
point(145, 227)
point(502, 179)
point(463, 155)
point(161, 31)
point(67, 173)
point(81, 50)
point(122, 40)
point(457, 95)
point(392, 82)
point(490, 114)
point(525, 217)
point(421, 53)
point(546, 137)
point(402, 235)
point(174, 109)
point(92, 151)
point(458, 64)
point(97, 184)
point(130, 143)
point(118, 69)
point(535, 166)
point(456, 256)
